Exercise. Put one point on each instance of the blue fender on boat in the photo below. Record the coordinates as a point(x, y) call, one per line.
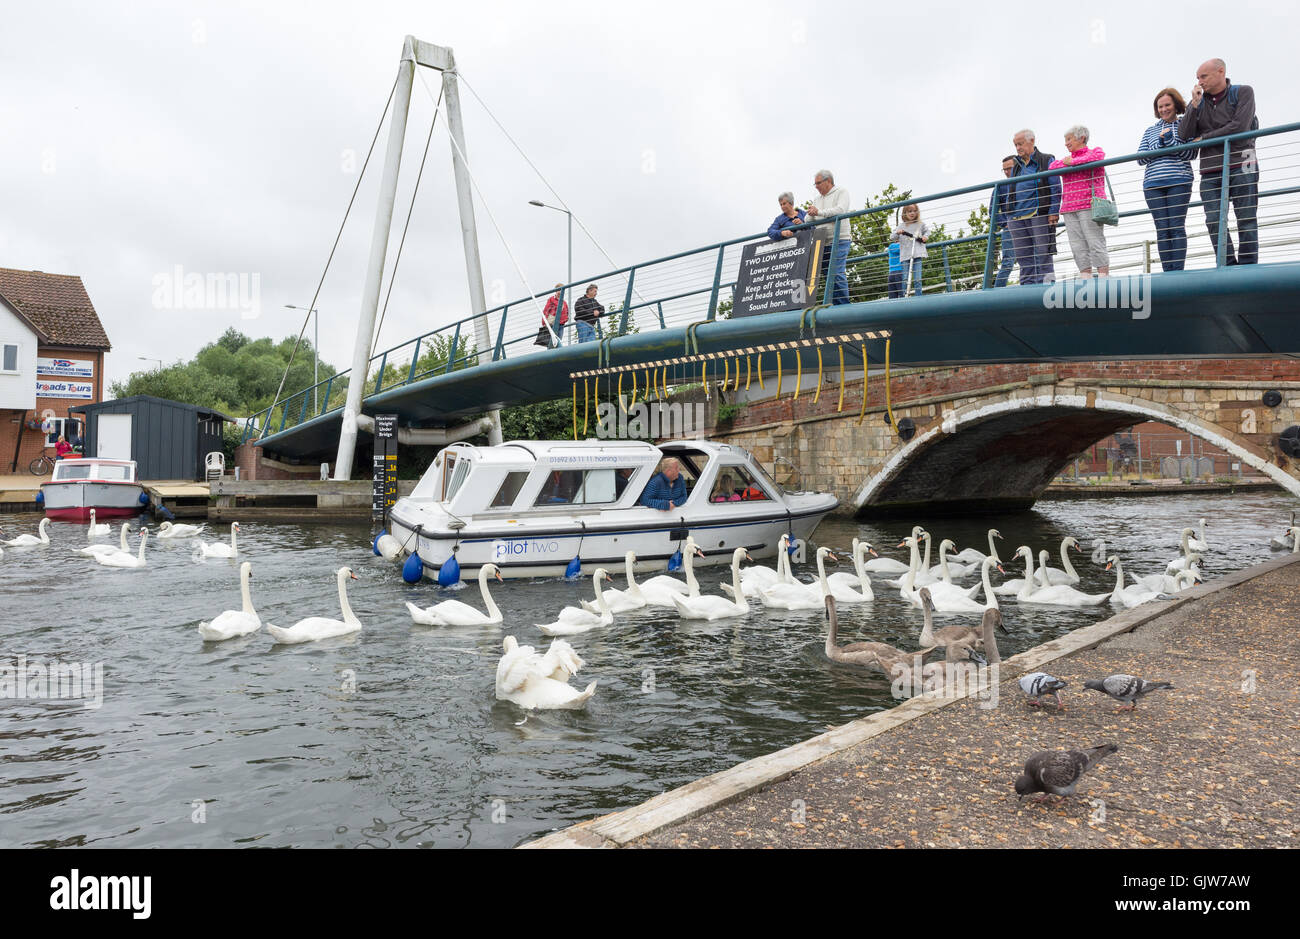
point(374, 545)
point(144, 498)
point(675, 562)
point(449, 573)
point(413, 569)
point(40, 498)
point(574, 570)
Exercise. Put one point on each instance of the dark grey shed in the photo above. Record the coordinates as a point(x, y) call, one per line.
point(169, 440)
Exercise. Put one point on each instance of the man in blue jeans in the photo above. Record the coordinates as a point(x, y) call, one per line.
point(586, 313)
point(1006, 245)
point(1217, 109)
point(1033, 209)
point(834, 200)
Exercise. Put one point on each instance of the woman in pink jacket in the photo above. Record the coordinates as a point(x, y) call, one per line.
point(1087, 238)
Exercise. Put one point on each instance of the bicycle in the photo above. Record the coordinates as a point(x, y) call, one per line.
point(43, 465)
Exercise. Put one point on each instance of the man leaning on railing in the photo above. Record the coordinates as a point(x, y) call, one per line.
point(1219, 108)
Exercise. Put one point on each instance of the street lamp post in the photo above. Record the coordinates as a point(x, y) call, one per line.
point(543, 205)
point(315, 372)
point(145, 358)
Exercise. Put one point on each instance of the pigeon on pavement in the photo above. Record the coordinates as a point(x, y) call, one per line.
point(1037, 684)
point(1057, 772)
point(1126, 688)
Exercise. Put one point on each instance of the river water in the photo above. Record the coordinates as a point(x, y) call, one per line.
point(394, 737)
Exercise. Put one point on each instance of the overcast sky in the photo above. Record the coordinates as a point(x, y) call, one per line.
point(225, 137)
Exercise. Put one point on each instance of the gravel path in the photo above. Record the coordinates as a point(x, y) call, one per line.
point(1213, 763)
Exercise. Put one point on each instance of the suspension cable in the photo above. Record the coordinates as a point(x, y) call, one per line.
point(312, 306)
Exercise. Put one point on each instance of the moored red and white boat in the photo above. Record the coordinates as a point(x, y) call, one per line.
point(81, 484)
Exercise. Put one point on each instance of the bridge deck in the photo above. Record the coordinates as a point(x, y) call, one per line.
point(1219, 312)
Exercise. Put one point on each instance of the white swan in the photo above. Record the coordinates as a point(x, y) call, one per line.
point(713, 607)
point(945, 571)
point(971, 556)
point(1199, 543)
point(1186, 559)
point(804, 596)
point(1132, 595)
point(658, 590)
point(574, 619)
point(123, 559)
point(314, 628)
point(855, 587)
point(234, 623)
point(1048, 575)
point(622, 601)
point(949, 598)
point(1056, 595)
point(881, 565)
point(102, 530)
point(918, 570)
point(1281, 544)
point(220, 549)
point(534, 681)
point(119, 548)
point(455, 613)
point(168, 530)
point(753, 587)
point(32, 541)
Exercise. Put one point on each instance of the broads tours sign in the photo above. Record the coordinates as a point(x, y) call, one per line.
point(774, 275)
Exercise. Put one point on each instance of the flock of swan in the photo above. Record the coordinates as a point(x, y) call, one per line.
point(533, 679)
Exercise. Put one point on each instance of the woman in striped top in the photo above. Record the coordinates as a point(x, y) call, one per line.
point(1167, 184)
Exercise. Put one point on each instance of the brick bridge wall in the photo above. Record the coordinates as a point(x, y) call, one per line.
point(993, 436)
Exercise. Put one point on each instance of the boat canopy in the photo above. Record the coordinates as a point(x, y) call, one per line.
point(90, 468)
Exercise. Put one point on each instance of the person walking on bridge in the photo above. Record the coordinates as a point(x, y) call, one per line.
point(833, 200)
point(587, 313)
point(1033, 209)
point(1005, 243)
point(1219, 108)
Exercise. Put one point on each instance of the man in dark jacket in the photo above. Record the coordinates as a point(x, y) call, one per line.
point(586, 312)
point(666, 490)
point(1033, 208)
point(1217, 109)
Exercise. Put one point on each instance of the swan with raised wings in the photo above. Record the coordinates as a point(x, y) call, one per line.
point(535, 681)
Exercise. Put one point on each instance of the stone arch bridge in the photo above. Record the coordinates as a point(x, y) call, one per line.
point(991, 438)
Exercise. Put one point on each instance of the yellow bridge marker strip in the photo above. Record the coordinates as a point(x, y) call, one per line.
point(819, 374)
point(863, 412)
point(840, 406)
point(575, 410)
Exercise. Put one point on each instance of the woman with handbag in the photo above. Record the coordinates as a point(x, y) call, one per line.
point(1167, 181)
point(1085, 209)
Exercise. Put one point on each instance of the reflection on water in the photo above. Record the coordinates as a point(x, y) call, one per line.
point(394, 737)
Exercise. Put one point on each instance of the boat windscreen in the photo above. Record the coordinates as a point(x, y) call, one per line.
point(72, 470)
point(114, 471)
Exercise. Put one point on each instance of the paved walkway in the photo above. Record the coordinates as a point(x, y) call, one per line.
point(1213, 763)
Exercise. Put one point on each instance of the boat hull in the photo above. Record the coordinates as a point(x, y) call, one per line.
point(73, 500)
point(541, 547)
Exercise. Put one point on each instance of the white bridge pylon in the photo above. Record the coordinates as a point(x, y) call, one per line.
point(414, 53)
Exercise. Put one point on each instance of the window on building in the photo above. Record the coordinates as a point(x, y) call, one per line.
point(9, 357)
point(57, 425)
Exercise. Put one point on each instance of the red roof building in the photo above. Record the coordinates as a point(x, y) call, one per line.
point(52, 348)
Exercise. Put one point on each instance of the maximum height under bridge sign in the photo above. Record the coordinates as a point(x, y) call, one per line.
point(385, 467)
point(776, 276)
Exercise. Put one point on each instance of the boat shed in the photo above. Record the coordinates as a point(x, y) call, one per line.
point(167, 439)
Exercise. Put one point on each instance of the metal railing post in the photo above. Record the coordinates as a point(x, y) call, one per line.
point(993, 233)
point(451, 353)
point(947, 274)
point(379, 379)
point(1221, 252)
point(415, 358)
point(627, 303)
point(498, 351)
point(302, 418)
point(661, 316)
point(328, 385)
point(717, 285)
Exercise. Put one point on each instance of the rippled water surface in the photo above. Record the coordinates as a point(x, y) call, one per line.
point(246, 743)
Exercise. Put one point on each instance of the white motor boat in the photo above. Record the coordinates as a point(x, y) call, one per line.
point(530, 507)
point(80, 484)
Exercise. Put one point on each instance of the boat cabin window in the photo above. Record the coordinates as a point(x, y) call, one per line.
point(72, 471)
point(584, 487)
point(736, 484)
point(509, 490)
point(113, 471)
point(455, 473)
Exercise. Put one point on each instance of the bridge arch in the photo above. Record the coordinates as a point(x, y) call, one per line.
point(999, 455)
